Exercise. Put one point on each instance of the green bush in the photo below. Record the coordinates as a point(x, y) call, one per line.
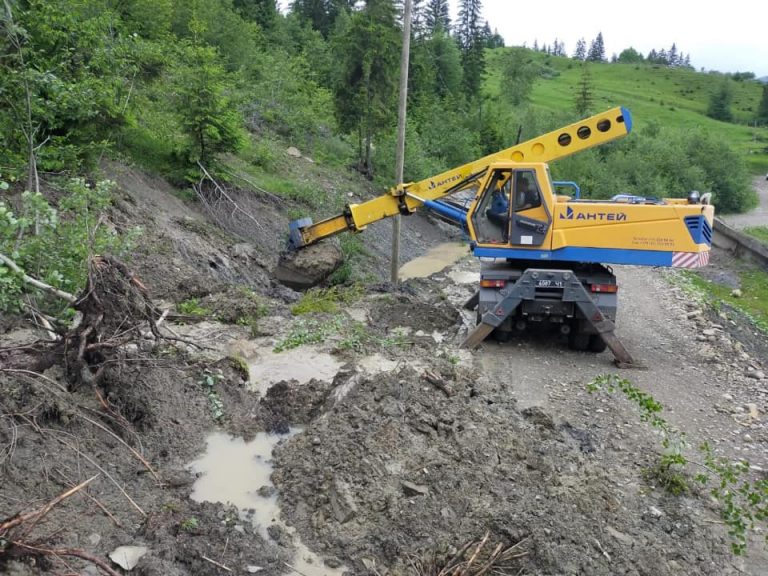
point(54, 244)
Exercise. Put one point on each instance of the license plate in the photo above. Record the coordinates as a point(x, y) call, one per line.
point(550, 284)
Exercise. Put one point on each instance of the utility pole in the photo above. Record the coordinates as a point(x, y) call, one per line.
point(400, 158)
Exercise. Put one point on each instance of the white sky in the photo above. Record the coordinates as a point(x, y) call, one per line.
point(729, 37)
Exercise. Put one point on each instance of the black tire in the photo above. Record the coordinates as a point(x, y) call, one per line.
point(597, 344)
point(578, 340)
point(501, 335)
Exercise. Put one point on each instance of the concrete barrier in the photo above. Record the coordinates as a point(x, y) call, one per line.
point(739, 244)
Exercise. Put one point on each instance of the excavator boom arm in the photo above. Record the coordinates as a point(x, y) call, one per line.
point(599, 129)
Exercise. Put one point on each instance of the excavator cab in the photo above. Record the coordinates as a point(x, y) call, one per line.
point(512, 207)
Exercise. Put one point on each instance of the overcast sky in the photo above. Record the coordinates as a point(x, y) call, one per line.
point(730, 37)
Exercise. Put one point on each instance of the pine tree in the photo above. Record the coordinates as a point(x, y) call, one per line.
point(581, 50)
point(597, 49)
point(263, 12)
point(367, 87)
point(321, 13)
point(584, 97)
point(469, 34)
point(720, 102)
point(672, 55)
point(436, 14)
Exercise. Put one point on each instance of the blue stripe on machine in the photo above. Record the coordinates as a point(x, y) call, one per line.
point(627, 119)
point(699, 229)
point(604, 255)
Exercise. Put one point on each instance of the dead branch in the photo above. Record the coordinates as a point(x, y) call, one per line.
point(138, 456)
point(92, 498)
point(100, 469)
point(36, 515)
point(204, 557)
point(473, 559)
point(36, 283)
point(220, 201)
point(438, 383)
point(255, 186)
point(75, 552)
point(57, 388)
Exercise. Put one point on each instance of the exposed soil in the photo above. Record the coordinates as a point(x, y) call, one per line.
point(413, 448)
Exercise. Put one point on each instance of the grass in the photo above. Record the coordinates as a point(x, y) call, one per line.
point(759, 232)
point(308, 332)
point(326, 300)
point(192, 307)
point(753, 301)
point(671, 97)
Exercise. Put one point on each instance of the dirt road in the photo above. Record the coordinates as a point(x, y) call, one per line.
point(758, 216)
point(396, 467)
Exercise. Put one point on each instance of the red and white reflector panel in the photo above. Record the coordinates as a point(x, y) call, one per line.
point(690, 259)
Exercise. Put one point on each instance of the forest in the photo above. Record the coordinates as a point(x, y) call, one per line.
point(181, 88)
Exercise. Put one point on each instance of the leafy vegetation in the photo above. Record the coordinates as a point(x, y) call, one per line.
point(227, 83)
point(192, 307)
point(53, 244)
point(209, 381)
point(326, 299)
point(751, 299)
point(744, 501)
point(759, 232)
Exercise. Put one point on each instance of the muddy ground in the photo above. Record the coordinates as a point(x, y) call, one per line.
point(409, 447)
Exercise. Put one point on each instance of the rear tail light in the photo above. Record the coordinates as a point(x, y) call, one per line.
point(492, 283)
point(604, 287)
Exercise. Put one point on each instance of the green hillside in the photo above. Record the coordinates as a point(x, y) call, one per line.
point(672, 97)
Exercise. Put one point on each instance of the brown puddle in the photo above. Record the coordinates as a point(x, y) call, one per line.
point(435, 260)
point(301, 364)
point(232, 471)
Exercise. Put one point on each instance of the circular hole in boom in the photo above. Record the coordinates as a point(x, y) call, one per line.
point(584, 132)
point(564, 139)
point(604, 125)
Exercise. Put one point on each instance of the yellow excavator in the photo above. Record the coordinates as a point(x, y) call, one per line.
point(544, 253)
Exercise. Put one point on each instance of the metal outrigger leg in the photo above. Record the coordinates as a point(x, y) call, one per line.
point(573, 291)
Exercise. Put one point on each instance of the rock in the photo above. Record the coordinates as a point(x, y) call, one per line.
point(343, 505)
point(411, 489)
point(294, 152)
point(94, 539)
point(266, 491)
point(179, 478)
point(756, 374)
point(728, 397)
point(309, 266)
point(655, 512)
point(127, 557)
point(620, 536)
point(253, 569)
point(736, 293)
point(693, 314)
point(332, 562)
point(709, 332)
point(753, 412)
point(244, 251)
